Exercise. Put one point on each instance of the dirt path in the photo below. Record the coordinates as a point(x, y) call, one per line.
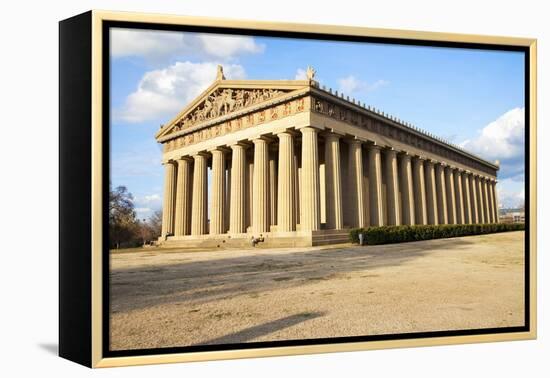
point(161, 299)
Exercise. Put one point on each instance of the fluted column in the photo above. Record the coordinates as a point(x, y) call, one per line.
point(466, 198)
point(182, 222)
point(260, 186)
point(375, 186)
point(491, 200)
point(272, 188)
point(237, 209)
point(420, 210)
point(459, 200)
point(200, 195)
point(393, 204)
point(451, 199)
point(431, 193)
point(407, 195)
point(487, 208)
point(480, 201)
point(227, 194)
point(297, 179)
point(335, 215)
point(169, 199)
point(441, 189)
point(356, 190)
point(495, 199)
point(217, 213)
point(310, 202)
point(474, 198)
point(286, 204)
point(249, 189)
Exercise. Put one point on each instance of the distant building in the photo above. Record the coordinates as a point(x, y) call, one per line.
point(512, 215)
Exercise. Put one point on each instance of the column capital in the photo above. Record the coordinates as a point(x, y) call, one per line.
point(374, 147)
point(221, 149)
point(184, 158)
point(285, 135)
point(353, 141)
point(199, 153)
point(287, 131)
point(389, 151)
point(404, 155)
point(347, 139)
point(261, 139)
point(235, 145)
point(327, 133)
point(309, 127)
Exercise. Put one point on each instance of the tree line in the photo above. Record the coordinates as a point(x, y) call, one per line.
point(125, 229)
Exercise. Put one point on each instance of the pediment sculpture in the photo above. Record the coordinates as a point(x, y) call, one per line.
point(224, 101)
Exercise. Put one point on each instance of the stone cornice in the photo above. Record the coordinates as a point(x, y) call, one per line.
point(395, 123)
point(318, 101)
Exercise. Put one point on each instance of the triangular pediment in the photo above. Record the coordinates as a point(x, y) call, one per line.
point(224, 97)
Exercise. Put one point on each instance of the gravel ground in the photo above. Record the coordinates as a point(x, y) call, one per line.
point(165, 298)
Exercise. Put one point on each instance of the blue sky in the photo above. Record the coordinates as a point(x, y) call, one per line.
point(474, 98)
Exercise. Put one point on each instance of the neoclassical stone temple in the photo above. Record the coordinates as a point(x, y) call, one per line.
point(295, 164)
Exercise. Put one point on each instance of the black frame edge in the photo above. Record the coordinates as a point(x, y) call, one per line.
point(75, 191)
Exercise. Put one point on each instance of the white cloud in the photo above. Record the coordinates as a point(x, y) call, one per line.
point(511, 194)
point(225, 46)
point(501, 139)
point(504, 140)
point(133, 42)
point(164, 92)
point(151, 198)
point(147, 204)
point(350, 85)
point(160, 45)
point(300, 74)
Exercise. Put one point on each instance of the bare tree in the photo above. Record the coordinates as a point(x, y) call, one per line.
point(123, 225)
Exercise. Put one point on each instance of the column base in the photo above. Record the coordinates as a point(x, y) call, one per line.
point(272, 239)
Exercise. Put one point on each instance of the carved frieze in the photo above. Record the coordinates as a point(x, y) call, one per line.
point(346, 114)
point(251, 119)
point(225, 101)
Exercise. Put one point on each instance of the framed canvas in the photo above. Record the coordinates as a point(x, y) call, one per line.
point(234, 189)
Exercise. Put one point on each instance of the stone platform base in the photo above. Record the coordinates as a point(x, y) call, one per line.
point(270, 240)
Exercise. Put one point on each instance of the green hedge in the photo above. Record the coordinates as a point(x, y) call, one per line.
point(399, 234)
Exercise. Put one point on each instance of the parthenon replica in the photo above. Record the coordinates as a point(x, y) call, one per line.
point(296, 164)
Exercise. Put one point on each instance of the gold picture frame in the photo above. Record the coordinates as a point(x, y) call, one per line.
point(83, 318)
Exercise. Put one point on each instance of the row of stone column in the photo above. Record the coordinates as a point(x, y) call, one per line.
point(391, 188)
point(382, 187)
point(185, 210)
